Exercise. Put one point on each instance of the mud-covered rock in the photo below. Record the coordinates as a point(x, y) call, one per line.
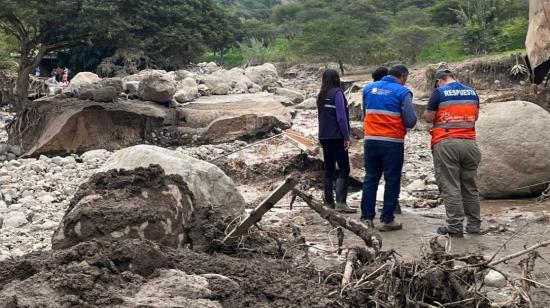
point(213, 191)
point(61, 126)
point(139, 273)
point(514, 141)
point(142, 203)
point(156, 87)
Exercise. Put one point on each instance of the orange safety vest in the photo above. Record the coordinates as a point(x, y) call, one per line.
point(457, 113)
point(382, 105)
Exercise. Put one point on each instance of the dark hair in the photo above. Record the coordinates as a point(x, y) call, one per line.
point(399, 71)
point(380, 73)
point(331, 79)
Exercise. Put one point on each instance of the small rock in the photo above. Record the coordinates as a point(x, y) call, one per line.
point(45, 159)
point(416, 185)
point(11, 156)
point(5, 180)
point(495, 279)
point(57, 160)
point(69, 160)
point(3, 148)
point(15, 150)
point(15, 219)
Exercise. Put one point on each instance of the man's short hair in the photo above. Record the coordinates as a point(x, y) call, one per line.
point(380, 73)
point(399, 71)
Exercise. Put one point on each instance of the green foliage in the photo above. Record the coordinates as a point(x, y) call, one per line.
point(479, 22)
point(257, 52)
point(7, 46)
point(447, 46)
point(512, 35)
point(443, 12)
point(410, 41)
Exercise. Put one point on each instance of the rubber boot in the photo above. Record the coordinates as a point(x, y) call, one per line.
point(342, 196)
point(328, 195)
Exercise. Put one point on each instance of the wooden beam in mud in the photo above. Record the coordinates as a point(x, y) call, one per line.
point(256, 215)
point(305, 144)
point(371, 238)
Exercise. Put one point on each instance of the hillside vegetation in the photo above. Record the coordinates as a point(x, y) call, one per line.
point(134, 35)
point(370, 32)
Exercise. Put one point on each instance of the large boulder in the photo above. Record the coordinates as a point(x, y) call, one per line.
point(115, 82)
point(57, 127)
point(293, 95)
point(84, 79)
point(264, 75)
point(515, 141)
point(310, 103)
point(211, 188)
point(187, 91)
point(132, 89)
point(217, 83)
point(120, 205)
point(225, 118)
point(106, 94)
point(156, 87)
point(239, 81)
point(180, 75)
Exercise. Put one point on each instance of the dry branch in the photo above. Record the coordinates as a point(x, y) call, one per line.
point(348, 271)
point(371, 239)
point(520, 253)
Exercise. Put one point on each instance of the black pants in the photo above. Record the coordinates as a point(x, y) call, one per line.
point(335, 153)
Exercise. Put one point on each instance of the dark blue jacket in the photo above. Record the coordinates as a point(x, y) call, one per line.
point(328, 121)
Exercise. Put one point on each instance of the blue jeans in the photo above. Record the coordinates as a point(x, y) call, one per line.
point(382, 157)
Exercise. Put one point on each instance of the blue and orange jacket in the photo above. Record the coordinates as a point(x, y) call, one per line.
point(457, 113)
point(383, 114)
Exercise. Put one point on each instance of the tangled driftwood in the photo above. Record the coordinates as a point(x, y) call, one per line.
point(376, 278)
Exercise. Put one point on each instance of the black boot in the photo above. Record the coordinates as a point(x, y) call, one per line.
point(342, 195)
point(341, 190)
point(328, 195)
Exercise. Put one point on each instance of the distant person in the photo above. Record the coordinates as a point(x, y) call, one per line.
point(59, 74)
point(37, 72)
point(54, 75)
point(66, 75)
point(454, 108)
point(389, 111)
point(380, 73)
point(334, 136)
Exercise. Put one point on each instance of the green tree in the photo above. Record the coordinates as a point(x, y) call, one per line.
point(443, 12)
point(331, 40)
point(479, 21)
point(410, 41)
point(40, 28)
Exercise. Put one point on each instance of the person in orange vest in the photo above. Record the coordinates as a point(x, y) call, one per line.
point(389, 111)
point(453, 109)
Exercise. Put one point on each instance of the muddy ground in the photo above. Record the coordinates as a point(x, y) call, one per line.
point(274, 267)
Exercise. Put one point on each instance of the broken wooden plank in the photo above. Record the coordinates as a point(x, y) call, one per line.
point(305, 144)
point(370, 237)
point(256, 215)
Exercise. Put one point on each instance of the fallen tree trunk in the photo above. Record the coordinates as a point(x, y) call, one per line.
point(371, 239)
